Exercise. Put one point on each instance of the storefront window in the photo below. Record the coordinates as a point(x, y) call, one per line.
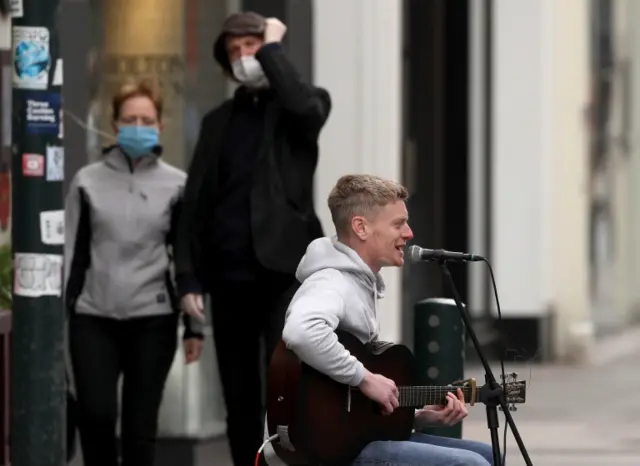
point(170, 43)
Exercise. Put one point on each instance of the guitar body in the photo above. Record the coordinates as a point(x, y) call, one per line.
point(322, 422)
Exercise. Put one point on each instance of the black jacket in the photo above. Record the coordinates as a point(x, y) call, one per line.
point(283, 219)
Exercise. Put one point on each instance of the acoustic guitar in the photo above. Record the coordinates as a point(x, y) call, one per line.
point(322, 422)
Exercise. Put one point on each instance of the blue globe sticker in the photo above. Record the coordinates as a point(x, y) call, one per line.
point(31, 57)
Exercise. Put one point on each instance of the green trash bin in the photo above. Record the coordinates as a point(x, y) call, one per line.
point(439, 349)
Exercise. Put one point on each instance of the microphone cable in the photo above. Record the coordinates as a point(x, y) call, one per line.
point(502, 351)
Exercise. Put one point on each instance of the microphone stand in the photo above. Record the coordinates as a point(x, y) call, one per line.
point(492, 393)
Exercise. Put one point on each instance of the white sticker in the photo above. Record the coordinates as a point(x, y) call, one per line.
point(37, 275)
point(52, 227)
point(17, 10)
point(57, 74)
point(55, 163)
point(31, 57)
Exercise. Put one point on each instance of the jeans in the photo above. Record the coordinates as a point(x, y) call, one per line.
point(426, 450)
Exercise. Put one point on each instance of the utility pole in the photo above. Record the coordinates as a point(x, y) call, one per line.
point(38, 385)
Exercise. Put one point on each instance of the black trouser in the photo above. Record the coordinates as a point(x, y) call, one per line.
point(245, 316)
point(142, 351)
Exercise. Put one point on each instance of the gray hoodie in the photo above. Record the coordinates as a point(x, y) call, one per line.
point(338, 291)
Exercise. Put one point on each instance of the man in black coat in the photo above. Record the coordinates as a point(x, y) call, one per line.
point(248, 212)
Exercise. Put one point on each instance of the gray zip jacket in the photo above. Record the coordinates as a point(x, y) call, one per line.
point(119, 230)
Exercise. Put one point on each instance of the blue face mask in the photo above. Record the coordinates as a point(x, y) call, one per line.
point(137, 141)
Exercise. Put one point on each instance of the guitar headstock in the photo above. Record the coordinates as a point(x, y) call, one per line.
point(515, 391)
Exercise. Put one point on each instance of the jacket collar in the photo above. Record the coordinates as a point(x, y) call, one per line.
point(117, 160)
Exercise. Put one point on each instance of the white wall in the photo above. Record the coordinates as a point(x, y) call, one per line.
point(567, 168)
point(614, 297)
point(539, 169)
point(357, 57)
point(520, 137)
point(632, 269)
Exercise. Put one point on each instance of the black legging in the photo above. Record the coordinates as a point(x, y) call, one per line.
point(142, 351)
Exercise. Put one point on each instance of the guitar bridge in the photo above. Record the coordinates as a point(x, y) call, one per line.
point(348, 398)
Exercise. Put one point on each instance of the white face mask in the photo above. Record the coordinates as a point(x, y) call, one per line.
point(249, 72)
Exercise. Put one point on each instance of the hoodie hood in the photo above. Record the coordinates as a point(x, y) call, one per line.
point(329, 253)
point(338, 292)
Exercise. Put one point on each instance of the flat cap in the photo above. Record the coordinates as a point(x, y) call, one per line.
point(246, 23)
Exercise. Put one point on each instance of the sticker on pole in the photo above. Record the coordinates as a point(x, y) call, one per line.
point(42, 113)
point(37, 275)
point(17, 8)
point(32, 165)
point(31, 57)
point(52, 227)
point(55, 163)
point(57, 74)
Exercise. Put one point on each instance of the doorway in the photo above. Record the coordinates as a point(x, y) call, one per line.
point(435, 143)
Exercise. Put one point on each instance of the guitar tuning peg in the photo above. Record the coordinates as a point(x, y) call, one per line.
point(514, 376)
point(513, 408)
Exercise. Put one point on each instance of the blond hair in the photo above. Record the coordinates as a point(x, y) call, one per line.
point(146, 88)
point(361, 195)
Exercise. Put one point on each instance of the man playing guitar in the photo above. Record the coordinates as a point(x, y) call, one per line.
point(341, 285)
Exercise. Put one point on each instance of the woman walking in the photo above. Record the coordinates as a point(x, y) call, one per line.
point(120, 214)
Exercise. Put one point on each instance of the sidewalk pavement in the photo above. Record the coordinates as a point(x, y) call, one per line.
point(584, 416)
point(573, 415)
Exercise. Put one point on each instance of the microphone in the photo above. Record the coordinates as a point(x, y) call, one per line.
point(418, 254)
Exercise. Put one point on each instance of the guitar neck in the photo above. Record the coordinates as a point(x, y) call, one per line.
point(419, 396)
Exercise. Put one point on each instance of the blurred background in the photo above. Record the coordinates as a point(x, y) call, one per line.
point(515, 125)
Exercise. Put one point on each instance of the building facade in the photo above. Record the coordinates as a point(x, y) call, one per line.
point(444, 98)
